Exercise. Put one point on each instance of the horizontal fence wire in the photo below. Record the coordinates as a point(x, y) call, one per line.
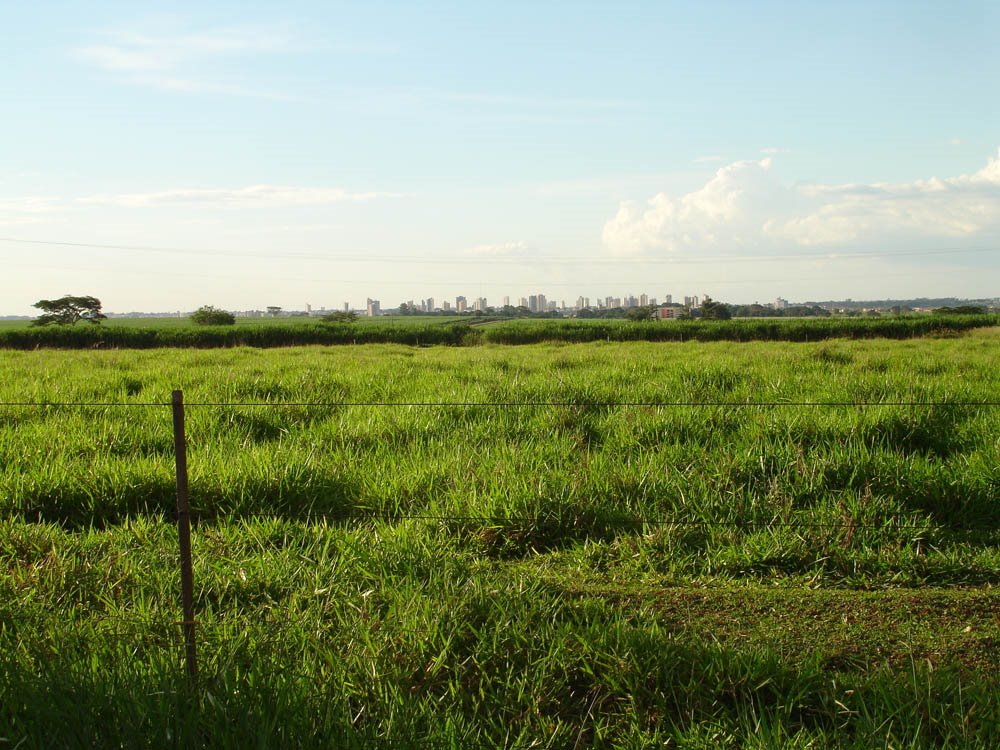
point(495, 404)
point(893, 522)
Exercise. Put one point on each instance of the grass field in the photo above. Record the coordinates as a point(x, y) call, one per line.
point(554, 545)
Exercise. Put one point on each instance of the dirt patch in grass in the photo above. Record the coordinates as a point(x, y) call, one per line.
point(849, 630)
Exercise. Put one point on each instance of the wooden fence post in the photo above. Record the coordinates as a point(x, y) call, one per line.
point(184, 536)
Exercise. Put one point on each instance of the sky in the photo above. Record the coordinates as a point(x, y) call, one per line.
point(164, 156)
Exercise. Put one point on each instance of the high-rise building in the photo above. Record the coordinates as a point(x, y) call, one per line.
point(374, 308)
point(543, 304)
point(533, 303)
point(460, 304)
point(643, 299)
point(506, 301)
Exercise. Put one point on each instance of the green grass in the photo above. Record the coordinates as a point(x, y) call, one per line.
point(510, 555)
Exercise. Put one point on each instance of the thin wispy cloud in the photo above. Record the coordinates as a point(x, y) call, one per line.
point(508, 100)
point(744, 208)
point(190, 61)
point(253, 196)
point(516, 249)
point(27, 210)
point(709, 159)
point(418, 101)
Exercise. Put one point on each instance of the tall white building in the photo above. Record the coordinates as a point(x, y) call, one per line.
point(374, 307)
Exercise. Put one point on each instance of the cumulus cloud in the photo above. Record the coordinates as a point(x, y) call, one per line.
point(725, 212)
point(743, 207)
point(252, 196)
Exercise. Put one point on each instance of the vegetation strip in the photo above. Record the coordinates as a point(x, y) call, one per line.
point(506, 332)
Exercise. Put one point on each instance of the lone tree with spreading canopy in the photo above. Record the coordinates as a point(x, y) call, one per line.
point(67, 310)
point(207, 315)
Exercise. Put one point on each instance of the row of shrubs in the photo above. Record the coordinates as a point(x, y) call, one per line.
point(209, 337)
point(509, 333)
point(746, 329)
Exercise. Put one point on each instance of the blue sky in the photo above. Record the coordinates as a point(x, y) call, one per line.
point(248, 154)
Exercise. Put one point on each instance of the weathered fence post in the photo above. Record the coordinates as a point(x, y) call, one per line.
point(184, 536)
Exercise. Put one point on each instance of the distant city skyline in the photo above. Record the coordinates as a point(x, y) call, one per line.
point(173, 156)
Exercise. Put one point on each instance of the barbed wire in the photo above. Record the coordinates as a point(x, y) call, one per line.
point(496, 404)
point(895, 522)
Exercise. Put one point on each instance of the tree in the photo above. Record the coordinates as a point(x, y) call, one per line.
point(712, 310)
point(960, 310)
point(644, 312)
point(207, 315)
point(340, 316)
point(67, 310)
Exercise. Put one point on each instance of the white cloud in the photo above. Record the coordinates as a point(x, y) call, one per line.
point(744, 207)
point(509, 101)
point(27, 210)
point(501, 250)
point(187, 61)
point(725, 212)
point(248, 197)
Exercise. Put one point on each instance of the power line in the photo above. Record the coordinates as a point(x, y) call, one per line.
point(453, 281)
point(453, 258)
